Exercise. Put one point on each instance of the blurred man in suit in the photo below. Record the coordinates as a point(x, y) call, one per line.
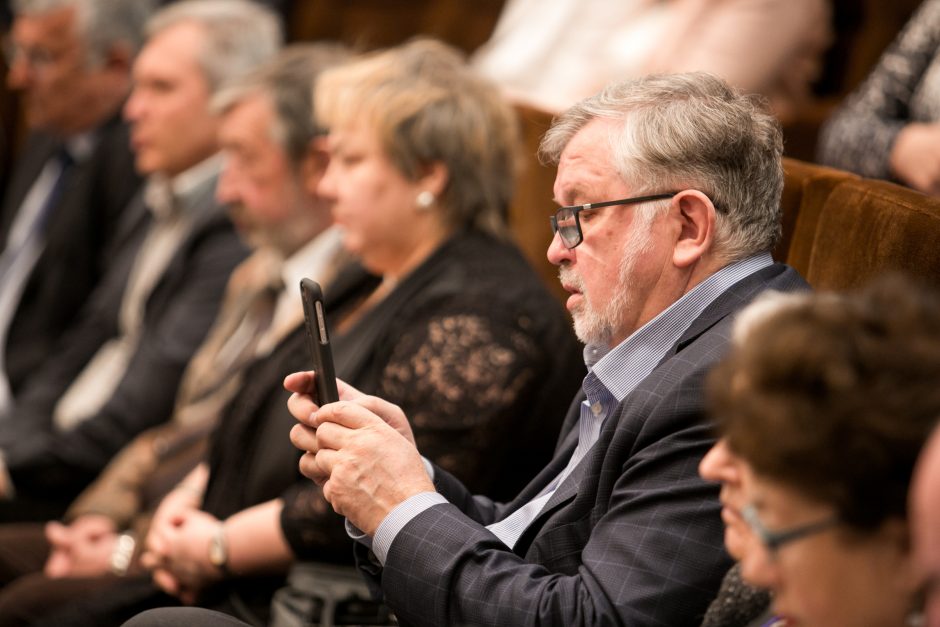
point(268, 184)
point(116, 373)
point(71, 61)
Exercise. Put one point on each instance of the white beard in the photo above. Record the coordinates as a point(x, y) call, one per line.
point(595, 326)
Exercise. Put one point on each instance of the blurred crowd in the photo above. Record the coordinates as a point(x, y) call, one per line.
point(740, 450)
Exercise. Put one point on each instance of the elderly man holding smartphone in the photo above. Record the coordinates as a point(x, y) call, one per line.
point(671, 188)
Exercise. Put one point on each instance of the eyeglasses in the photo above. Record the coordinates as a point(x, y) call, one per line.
point(774, 540)
point(567, 223)
point(38, 58)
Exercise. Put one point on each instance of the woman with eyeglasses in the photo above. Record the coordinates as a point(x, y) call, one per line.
point(823, 406)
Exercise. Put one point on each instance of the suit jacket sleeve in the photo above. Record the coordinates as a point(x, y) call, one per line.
point(659, 518)
point(31, 417)
point(145, 395)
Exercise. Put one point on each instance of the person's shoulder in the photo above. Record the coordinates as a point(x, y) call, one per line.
point(498, 267)
point(679, 378)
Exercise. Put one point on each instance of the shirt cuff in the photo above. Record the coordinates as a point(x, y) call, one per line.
point(352, 530)
point(396, 520)
point(357, 534)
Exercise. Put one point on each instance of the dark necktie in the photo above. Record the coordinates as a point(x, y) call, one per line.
point(36, 230)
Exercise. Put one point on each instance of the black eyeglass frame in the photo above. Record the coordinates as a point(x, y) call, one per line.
point(774, 540)
point(575, 210)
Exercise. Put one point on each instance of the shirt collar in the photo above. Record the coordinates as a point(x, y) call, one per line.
point(621, 368)
point(166, 196)
point(81, 145)
point(317, 253)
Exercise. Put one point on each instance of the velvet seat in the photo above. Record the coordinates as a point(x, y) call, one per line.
point(865, 228)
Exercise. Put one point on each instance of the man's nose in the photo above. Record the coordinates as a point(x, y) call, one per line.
point(718, 465)
point(20, 73)
point(557, 252)
point(225, 189)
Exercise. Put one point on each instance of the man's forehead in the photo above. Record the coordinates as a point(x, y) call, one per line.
point(587, 161)
point(591, 138)
point(249, 118)
point(254, 105)
point(171, 55)
point(55, 26)
point(186, 39)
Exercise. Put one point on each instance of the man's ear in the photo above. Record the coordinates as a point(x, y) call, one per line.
point(313, 164)
point(696, 233)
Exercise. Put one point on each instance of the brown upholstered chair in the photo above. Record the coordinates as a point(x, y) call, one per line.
point(806, 188)
point(370, 24)
point(532, 203)
point(863, 229)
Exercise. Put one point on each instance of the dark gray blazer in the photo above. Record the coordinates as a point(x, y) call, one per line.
point(78, 241)
point(178, 313)
point(632, 537)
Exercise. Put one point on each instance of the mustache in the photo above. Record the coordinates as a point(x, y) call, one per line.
point(569, 277)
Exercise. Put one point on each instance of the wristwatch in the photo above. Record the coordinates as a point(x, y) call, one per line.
point(218, 552)
point(123, 554)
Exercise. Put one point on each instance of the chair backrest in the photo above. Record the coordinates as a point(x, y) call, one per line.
point(532, 203)
point(866, 228)
point(369, 24)
point(806, 188)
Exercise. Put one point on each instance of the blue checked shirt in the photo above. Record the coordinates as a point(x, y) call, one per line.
point(612, 375)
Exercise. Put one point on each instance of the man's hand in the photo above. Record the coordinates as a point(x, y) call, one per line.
point(366, 466)
point(302, 406)
point(81, 549)
point(915, 157)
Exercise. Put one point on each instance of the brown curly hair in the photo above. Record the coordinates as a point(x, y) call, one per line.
point(835, 396)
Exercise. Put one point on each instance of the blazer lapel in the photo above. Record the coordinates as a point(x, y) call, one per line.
point(207, 213)
point(569, 488)
point(729, 302)
point(41, 147)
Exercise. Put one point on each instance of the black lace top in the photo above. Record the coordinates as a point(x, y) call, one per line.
point(904, 87)
point(477, 353)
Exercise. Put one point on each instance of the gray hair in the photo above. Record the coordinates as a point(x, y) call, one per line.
point(288, 82)
point(691, 131)
point(102, 24)
point(239, 34)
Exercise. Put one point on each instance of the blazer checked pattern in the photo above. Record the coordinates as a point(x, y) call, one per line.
point(632, 537)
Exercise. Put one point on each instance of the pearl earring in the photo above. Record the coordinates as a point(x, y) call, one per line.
point(425, 200)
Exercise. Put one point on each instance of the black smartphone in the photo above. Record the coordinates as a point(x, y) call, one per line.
point(318, 341)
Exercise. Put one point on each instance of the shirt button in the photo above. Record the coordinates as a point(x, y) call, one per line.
point(597, 408)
